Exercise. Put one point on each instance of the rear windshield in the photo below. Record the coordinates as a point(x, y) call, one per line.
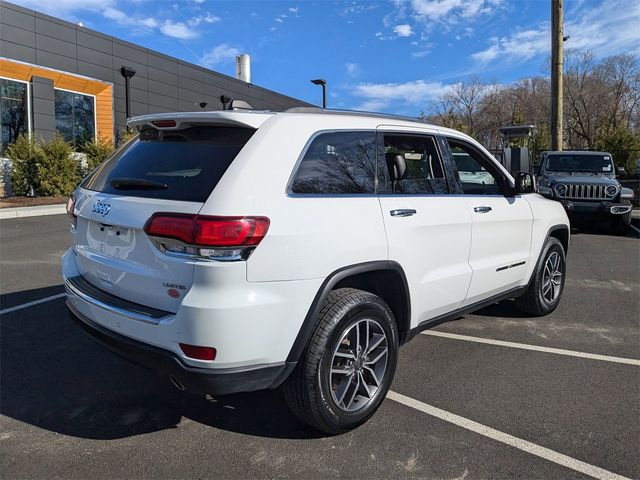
point(174, 165)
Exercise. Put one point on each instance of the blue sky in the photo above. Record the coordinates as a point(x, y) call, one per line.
point(394, 56)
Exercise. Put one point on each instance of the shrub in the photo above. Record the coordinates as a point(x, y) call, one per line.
point(623, 144)
point(25, 155)
point(96, 153)
point(57, 171)
point(123, 136)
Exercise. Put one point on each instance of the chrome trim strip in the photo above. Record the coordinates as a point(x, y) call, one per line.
point(73, 290)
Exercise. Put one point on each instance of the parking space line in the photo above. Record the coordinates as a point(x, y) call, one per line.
point(31, 304)
point(497, 435)
point(635, 228)
point(525, 346)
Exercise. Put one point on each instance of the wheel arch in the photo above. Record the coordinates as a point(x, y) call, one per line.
point(383, 278)
point(561, 232)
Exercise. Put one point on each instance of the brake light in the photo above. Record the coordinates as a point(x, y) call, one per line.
point(223, 238)
point(164, 123)
point(71, 207)
point(199, 353)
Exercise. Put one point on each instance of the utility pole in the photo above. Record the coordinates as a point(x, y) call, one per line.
point(557, 41)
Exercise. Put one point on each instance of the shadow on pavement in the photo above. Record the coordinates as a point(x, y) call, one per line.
point(503, 309)
point(55, 377)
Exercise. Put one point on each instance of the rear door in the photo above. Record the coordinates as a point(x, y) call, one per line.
point(502, 222)
point(427, 232)
point(161, 171)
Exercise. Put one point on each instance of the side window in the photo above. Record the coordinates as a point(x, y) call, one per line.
point(338, 163)
point(414, 165)
point(477, 175)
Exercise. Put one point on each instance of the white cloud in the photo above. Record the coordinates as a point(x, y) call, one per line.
point(178, 30)
point(413, 94)
point(59, 7)
point(294, 9)
point(223, 53)
point(440, 9)
point(609, 29)
point(353, 69)
point(208, 18)
point(420, 53)
point(122, 18)
point(279, 20)
point(403, 30)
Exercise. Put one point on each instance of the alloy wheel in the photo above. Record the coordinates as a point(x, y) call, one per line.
point(358, 365)
point(552, 278)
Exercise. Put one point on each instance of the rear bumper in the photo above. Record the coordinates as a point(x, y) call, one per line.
point(193, 379)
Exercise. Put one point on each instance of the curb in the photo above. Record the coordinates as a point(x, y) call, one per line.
point(38, 211)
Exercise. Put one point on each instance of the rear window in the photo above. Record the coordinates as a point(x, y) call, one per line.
point(183, 165)
point(338, 163)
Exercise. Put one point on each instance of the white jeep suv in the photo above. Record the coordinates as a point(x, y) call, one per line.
point(237, 251)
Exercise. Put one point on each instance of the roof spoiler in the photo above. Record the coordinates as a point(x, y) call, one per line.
point(180, 120)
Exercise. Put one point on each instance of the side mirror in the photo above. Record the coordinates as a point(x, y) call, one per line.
point(620, 171)
point(525, 183)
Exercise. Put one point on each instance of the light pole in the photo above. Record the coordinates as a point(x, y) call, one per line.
point(127, 73)
point(323, 82)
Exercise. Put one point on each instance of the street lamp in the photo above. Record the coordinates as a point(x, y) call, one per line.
point(323, 82)
point(127, 73)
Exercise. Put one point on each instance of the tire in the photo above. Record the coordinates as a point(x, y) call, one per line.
point(332, 402)
point(545, 289)
point(620, 223)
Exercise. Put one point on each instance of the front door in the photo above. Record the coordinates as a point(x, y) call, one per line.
point(501, 247)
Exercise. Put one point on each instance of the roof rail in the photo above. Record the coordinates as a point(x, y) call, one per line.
point(353, 113)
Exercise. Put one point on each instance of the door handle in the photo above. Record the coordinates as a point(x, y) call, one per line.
point(482, 209)
point(403, 212)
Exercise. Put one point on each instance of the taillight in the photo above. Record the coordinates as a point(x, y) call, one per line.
point(71, 207)
point(220, 238)
point(199, 353)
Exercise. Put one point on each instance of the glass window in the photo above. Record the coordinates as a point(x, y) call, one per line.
point(175, 165)
point(414, 165)
point(576, 162)
point(476, 173)
point(338, 163)
point(75, 119)
point(13, 110)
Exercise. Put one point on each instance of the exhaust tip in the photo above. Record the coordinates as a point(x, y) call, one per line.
point(177, 383)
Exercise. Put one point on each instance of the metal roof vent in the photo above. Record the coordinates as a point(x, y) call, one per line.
point(239, 105)
point(243, 67)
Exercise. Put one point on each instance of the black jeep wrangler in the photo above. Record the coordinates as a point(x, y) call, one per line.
point(585, 183)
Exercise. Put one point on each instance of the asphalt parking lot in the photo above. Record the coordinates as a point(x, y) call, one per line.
point(560, 400)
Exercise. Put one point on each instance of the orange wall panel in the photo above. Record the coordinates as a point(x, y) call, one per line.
point(102, 91)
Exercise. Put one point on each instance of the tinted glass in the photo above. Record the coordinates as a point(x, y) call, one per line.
point(414, 165)
point(13, 111)
point(338, 163)
point(475, 172)
point(178, 165)
point(579, 163)
point(75, 119)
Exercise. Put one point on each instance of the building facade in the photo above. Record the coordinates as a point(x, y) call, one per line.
point(56, 76)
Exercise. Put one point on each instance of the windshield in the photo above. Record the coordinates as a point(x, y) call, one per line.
point(579, 163)
point(466, 163)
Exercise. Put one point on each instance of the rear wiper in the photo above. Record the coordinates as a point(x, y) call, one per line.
point(136, 184)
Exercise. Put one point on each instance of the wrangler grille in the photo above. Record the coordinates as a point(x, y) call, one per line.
point(587, 192)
